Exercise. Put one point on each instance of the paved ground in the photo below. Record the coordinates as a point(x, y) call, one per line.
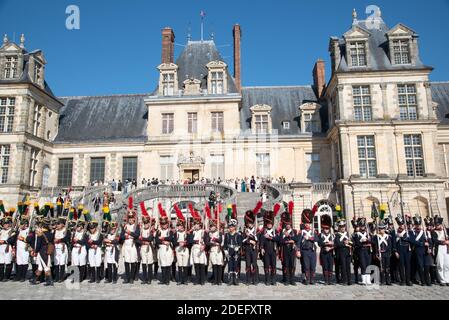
point(102, 291)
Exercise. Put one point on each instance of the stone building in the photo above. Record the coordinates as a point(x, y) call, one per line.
point(377, 131)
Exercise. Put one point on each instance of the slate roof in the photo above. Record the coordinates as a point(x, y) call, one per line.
point(440, 94)
point(284, 102)
point(193, 60)
point(103, 118)
point(379, 56)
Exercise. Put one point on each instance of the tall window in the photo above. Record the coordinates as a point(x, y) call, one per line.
point(167, 123)
point(129, 169)
point(97, 169)
point(313, 167)
point(362, 103)
point(5, 152)
point(168, 84)
point(217, 82)
point(65, 172)
point(261, 123)
point(36, 118)
point(217, 166)
point(11, 67)
point(263, 164)
point(310, 123)
point(358, 54)
point(401, 50)
point(33, 166)
point(37, 72)
point(166, 163)
point(414, 155)
point(217, 121)
point(367, 156)
point(408, 107)
point(192, 118)
point(7, 108)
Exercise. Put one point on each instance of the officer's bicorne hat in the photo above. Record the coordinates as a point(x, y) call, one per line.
point(326, 221)
point(232, 223)
point(417, 220)
point(307, 216)
point(399, 219)
point(268, 217)
point(92, 224)
point(438, 220)
point(428, 221)
point(249, 217)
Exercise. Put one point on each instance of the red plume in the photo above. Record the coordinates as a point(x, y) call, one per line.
point(314, 209)
point(144, 210)
point(207, 209)
point(258, 207)
point(178, 212)
point(193, 212)
point(130, 203)
point(276, 209)
point(234, 211)
point(161, 210)
point(290, 207)
point(220, 207)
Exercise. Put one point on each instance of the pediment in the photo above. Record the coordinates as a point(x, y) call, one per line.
point(11, 47)
point(167, 66)
point(39, 56)
point(400, 30)
point(356, 32)
point(261, 108)
point(191, 81)
point(216, 64)
point(310, 106)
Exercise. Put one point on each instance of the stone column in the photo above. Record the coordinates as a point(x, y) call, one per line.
point(386, 114)
point(42, 123)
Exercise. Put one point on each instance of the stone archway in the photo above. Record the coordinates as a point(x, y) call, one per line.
point(322, 207)
point(419, 205)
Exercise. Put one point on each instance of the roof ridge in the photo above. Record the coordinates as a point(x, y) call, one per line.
point(264, 87)
point(439, 82)
point(106, 96)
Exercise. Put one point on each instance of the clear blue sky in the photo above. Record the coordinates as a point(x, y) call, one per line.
point(117, 49)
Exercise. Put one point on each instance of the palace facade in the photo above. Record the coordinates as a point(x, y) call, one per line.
point(378, 129)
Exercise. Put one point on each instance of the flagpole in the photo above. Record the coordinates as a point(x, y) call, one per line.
point(202, 28)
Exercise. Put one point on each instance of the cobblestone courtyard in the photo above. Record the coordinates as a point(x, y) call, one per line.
point(86, 291)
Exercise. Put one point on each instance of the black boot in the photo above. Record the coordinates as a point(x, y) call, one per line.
point(108, 278)
point(273, 277)
point(292, 278)
point(144, 273)
point(8, 270)
point(255, 275)
point(387, 277)
point(48, 280)
point(267, 276)
point(99, 272)
point(150, 274)
point(421, 277)
point(248, 277)
point(427, 276)
point(197, 274)
point(312, 278)
point(18, 273)
point(127, 273)
point(180, 276)
point(92, 274)
point(55, 272)
point(114, 273)
point(132, 275)
point(136, 271)
point(162, 276)
point(156, 267)
point(36, 278)
point(61, 273)
point(219, 273)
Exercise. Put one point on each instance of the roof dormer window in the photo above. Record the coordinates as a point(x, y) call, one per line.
point(11, 67)
point(261, 119)
point(168, 84)
point(401, 51)
point(310, 117)
point(358, 53)
point(216, 80)
point(168, 79)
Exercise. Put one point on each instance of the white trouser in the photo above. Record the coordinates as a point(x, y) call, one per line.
point(41, 266)
point(79, 256)
point(5, 257)
point(95, 257)
point(109, 256)
point(22, 254)
point(182, 257)
point(61, 256)
point(443, 264)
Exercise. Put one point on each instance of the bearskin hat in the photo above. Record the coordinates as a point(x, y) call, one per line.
point(285, 219)
point(307, 216)
point(268, 217)
point(399, 219)
point(326, 221)
point(249, 217)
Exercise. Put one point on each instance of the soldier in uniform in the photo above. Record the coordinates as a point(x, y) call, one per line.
point(232, 244)
point(250, 248)
point(383, 249)
point(94, 243)
point(362, 245)
point(111, 242)
point(336, 262)
point(268, 241)
point(197, 240)
point(429, 264)
point(182, 251)
point(403, 251)
point(355, 257)
point(32, 242)
point(308, 244)
point(146, 240)
point(394, 262)
point(343, 250)
point(129, 237)
point(79, 249)
point(44, 250)
point(22, 253)
point(164, 243)
point(7, 237)
point(441, 242)
point(62, 241)
point(420, 244)
point(215, 243)
point(326, 244)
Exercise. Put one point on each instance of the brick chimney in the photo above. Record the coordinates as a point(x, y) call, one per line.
point(168, 45)
point(237, 32)
point(319, 78)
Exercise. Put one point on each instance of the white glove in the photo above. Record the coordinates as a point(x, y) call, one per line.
point(226, 252)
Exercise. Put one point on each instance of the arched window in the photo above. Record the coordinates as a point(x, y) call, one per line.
point(45, 176)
